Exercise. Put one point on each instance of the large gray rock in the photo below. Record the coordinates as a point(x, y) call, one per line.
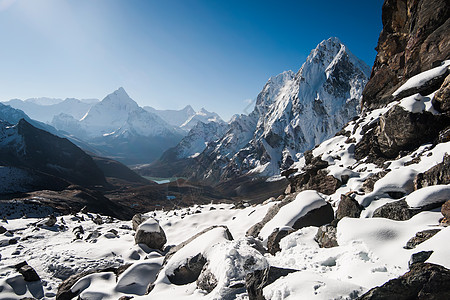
point(398, 210)
point(424, 281)
point(401, 130)
point(419, 257)
point(151, 234)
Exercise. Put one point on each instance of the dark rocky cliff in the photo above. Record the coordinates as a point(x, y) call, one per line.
point(415, 38)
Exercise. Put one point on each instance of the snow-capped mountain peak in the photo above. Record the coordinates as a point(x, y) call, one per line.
point(293, 113)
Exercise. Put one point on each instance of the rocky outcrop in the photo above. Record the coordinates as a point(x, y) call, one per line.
point(423, 281)
point(400, 130)
point(414, 39)
point(314, 177)
point(420, 237)
point(439, 174)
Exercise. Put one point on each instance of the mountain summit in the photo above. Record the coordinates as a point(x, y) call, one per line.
point(293, 113)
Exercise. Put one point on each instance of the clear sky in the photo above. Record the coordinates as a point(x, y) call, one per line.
point(166, 53)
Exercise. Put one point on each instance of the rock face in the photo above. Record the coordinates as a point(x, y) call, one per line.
point(151, 234)
point(401, 130)
point(423, 281)
point(441, 100)
point(314, 176)
point(414, 39)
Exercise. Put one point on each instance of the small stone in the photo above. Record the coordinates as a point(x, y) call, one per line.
point(51, 220)
point(2, 230)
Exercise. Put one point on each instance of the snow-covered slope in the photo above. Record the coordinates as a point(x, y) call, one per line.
point(201, 116)
point(199, 137)
point(118, 127)
point(44, 111)
point(173, 117)
point(293, 113)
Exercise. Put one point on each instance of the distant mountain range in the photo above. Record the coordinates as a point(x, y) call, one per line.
point(117, 126)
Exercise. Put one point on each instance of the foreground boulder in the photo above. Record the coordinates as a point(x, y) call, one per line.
point(256, 281)
point(184, 262)
point(308, 209)
point(423, 281)
point(273, 242)
point(189, 271)
point(151, 234)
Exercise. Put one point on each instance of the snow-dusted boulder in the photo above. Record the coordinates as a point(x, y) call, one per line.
point(184, 264)
point(151, 234)
point(430, 195)
point(308, 209)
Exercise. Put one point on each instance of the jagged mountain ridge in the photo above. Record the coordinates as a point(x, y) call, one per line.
point(293, 113)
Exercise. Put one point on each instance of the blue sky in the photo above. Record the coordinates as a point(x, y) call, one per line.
point(167, 54)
